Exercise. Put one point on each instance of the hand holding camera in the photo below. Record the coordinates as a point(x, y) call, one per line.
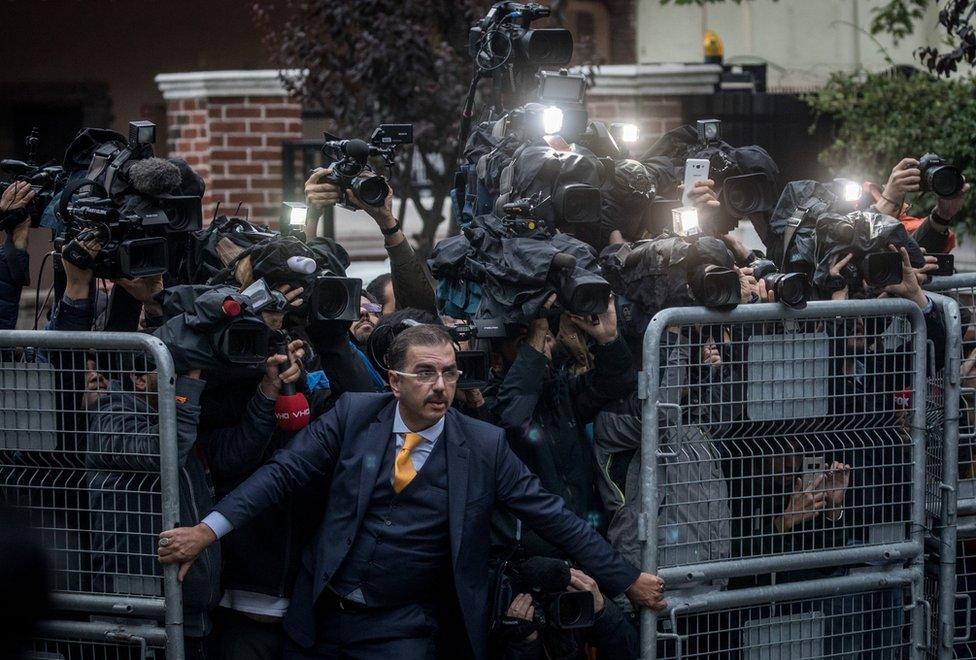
point(78, 259)
point(905, 178)
point(603, 329)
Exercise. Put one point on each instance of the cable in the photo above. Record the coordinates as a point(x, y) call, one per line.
point(37, 290)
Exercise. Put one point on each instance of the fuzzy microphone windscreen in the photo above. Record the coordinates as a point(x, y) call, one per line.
point(155, 176)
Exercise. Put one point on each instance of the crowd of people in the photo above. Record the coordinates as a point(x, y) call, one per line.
point(416, 516)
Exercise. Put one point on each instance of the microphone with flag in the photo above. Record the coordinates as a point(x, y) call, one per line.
point(291, 406)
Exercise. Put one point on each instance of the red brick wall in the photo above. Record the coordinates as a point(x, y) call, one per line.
point(234, 143)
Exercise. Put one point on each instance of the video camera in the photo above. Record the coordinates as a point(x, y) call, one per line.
point(128, 204)
point(214, 328)
point(350, 160)
point(506, 49)
point(547, 581)
point(133, 234)
point(45, 180)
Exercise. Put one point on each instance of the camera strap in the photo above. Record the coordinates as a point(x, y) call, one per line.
point(792, 225)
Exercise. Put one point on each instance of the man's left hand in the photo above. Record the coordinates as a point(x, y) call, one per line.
point(647, 591)
point(909, 287)
point(580, 581)
point(604, 331)
point(948, 207)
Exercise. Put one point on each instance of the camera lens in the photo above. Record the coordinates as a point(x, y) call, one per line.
point(714, 286)
point(762, 267)
point(882, 268)
point(330, 299)
point(791, 289)
point(945, 181)
point(746, 194)
point(371, 190)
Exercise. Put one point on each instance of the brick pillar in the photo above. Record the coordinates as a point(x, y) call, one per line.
point(229, 126)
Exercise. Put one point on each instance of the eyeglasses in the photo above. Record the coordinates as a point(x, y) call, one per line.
point(429, 376)
point(372, 308)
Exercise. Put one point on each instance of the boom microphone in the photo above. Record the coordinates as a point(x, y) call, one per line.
point(155, 176)
point(291, 406)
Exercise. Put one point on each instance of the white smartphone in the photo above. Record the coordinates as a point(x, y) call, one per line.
point(813, 467)
point(696, 169)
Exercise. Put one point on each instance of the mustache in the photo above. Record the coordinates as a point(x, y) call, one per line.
point(435, 399)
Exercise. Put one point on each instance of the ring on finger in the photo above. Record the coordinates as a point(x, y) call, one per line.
point(165, 541)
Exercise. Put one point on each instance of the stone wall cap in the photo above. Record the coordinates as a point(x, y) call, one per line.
point(202, 84)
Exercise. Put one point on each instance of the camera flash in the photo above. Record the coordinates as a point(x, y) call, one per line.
point(629, 133)
point(685, 221)
point(852, 191)
point(552, 120)
point(297, 212)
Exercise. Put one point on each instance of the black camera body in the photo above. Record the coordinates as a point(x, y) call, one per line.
point(45, 180)
point(133, 237)
point(350, 162)
point(940, 176)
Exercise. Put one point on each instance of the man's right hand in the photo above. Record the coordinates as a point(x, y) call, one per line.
point(647, 591)
point(905, 178)
point(320, 193)
point(16, 196)
point(182, 545)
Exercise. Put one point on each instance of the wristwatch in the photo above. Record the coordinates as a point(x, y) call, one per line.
point(391, 230)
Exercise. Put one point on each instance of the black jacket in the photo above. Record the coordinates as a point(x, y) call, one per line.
point(122, 480)
point(545, 414)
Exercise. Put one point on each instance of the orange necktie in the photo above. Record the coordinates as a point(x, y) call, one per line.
point(403, 469)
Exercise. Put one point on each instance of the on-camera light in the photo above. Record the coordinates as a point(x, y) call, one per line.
point(630, 133)
point(297, 213)
point(852, 191)
point(685, 221)
point(552, 120)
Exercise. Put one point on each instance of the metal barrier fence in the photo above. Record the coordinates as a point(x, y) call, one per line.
point(88, 453)
point(956, 618)
point(942, 452)
point(783, 458)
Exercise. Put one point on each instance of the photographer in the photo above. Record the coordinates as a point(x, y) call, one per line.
point(381, 289)
point(14, 259)
point(545, 409)
point(123, 436)
point(932, 233)
point(611, 635)
point(413, 285)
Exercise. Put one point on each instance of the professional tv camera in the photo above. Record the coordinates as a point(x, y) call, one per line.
point(45, 180)
point(350, 160)
point(129, 202)
point(214, 328)
point(506, 49)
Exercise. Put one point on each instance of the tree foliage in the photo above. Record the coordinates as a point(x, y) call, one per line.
point(879, 119)
point(369, 62)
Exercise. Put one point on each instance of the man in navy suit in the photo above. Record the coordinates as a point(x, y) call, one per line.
point(412, 485)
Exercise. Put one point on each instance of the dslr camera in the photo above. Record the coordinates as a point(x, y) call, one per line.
point(350, 161)
point(791, 289)
point(45, 181)
point(940, 177)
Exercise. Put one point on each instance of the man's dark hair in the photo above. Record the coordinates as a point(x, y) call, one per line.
point(418, 335)
point(377, 288)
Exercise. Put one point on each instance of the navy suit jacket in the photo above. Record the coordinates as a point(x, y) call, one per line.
point(343, 450)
